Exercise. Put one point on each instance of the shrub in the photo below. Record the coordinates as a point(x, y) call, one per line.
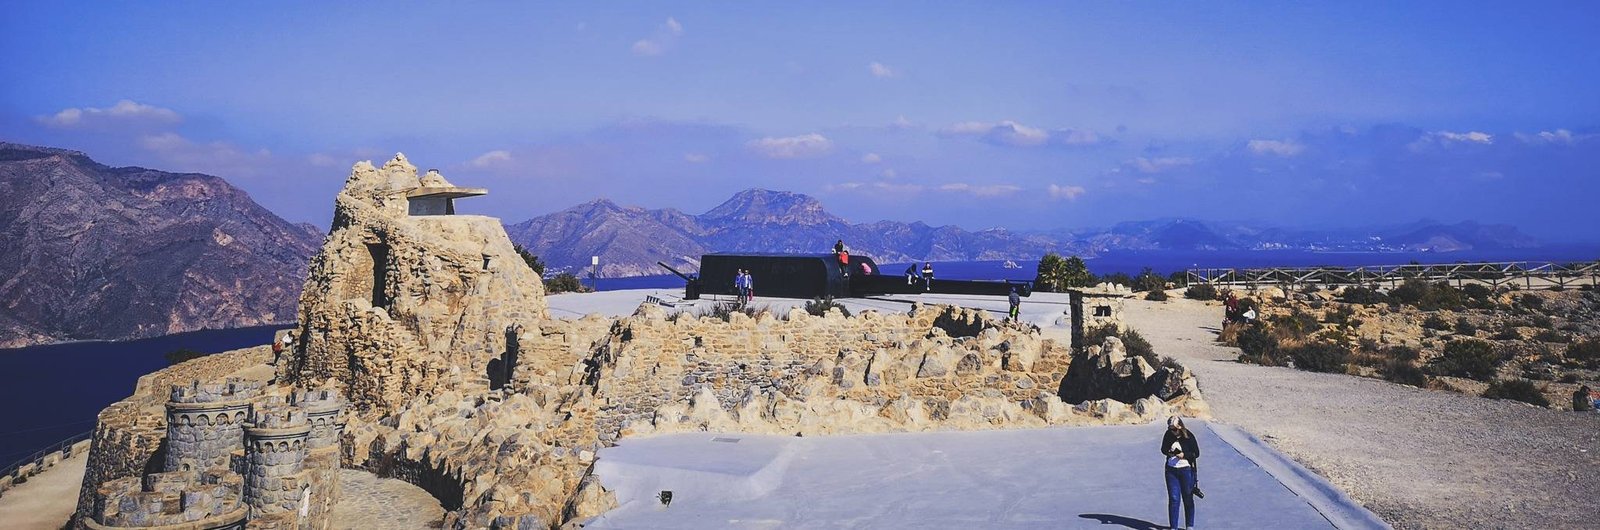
point(1320, 357)
point(1585, 352)
point(1477, 291)
point(1436, 322)
point(1518, 389)
point(1057, 274)
point(1342, 316)
point(820, 306)
point(565, 282)
point(1465, 327)
point(1156, 296)
point(1428, 296)
point(1258, 345)
point(1405, 373)
point(1550, 335)
point(1119, 278)
point(1470, 358)
point(1297, 325)
point(1138, 347)
point(1200, 291)
point(181, 355)
point(1530, 301)
point(1148, 280)
point(532, 260)
point(1569, 378)
point(1541, 321)
point(1363, 296)
point(1508, 332)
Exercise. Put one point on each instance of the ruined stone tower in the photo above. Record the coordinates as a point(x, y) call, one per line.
point(406, 298)
point(238, 456)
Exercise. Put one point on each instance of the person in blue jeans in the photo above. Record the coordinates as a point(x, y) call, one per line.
point(1181, 450)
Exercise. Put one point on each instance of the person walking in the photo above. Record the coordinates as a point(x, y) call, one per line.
point(1016, 304)
point(740, 286)
point(927, 275)
point(1181, 450)
point(749, 287)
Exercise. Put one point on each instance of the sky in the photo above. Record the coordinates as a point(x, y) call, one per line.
point(1025, 115)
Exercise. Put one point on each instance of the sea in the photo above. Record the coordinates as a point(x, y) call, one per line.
point(49, 393)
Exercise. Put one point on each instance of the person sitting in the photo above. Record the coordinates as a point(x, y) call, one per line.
point(911, 274)
point(1581, 402)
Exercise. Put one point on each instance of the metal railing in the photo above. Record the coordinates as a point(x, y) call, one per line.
point(39, 456)
point(1494, 274)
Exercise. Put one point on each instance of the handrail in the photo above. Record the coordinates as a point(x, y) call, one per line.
point(1495, 273)
point(38, 456)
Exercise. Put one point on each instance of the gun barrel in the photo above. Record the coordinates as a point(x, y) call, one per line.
point(675, 271)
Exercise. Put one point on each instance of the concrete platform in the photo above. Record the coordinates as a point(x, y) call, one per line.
point(1067, 477)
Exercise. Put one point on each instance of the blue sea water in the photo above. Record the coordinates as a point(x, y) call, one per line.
point(53, 392)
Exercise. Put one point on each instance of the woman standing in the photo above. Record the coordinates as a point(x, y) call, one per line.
point(1181, 450)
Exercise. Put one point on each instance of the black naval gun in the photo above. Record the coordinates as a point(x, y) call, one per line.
point(830, 275)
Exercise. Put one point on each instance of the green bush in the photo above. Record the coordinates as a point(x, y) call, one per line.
point(1148, 280)
point(1405, 373)
point(1298, 324)
point(1320, 357)
point(1465, 327)
point(1119, 278)
point(1200, 291)
point(1257, 345)
point(1057, 274)
point(1436, 322)
point(1477, 292)
point(1138, 347)
point(1509, 332)
point(1156, 296)
point(1584, 352)
point(565, 282)
point(532, 260)
point(1531, 301)
point(1363, 296)
point(1517, 389)
point(1470, 358)
point(1428, 296)
point(820, 306)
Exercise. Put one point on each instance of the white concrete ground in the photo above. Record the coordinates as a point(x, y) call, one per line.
point(1067, 477)
point(46, 500)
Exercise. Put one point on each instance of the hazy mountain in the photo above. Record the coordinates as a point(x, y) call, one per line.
point(630, 240)
point(96, 252)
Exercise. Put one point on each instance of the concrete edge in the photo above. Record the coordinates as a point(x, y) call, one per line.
point(1323, 496)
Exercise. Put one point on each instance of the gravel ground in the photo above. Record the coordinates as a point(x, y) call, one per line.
point(1417, 458)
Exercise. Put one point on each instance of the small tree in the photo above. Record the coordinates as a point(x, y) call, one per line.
point(1470, 358)
point(532, 260)
point(1148, 280)
point(565, 282)
point(1057, 274)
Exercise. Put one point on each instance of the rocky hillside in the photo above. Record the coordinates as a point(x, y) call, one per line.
point(630, 240)
point(97, 252)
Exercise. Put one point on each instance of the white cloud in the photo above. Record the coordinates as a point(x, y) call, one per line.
point(322, 160)
point(878, 186)
point(695, 158)
point(888, 173)
point(1558, 136)
point(1011, 133)
point(981, 190)
point(803, 146)
point(1158, 165)
point(1283, 148)
point(881, 71)
point(1070, 193)
point(498, 157)
point(215, 158)
point(871, 158)
point(662, 40)
point(900, 122)
point(1466, 137)
point(124, 112)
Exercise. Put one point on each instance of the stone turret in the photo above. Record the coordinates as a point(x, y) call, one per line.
point(179, 499)
point(406, 298)
point(205, 423)
point(275, 452)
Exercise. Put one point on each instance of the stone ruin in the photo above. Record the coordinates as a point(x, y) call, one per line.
point(459, 382)
point(236, 455)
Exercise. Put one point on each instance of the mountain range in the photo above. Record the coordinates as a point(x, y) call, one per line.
point(630, 240)
point(99, 252)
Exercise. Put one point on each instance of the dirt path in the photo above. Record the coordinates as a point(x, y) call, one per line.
point(1418, 458)
point(46, 500)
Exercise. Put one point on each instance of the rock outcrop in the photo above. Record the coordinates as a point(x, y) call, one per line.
point(459, 381)
point(96, 252)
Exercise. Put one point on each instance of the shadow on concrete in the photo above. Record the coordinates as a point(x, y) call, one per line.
point(1125, 522)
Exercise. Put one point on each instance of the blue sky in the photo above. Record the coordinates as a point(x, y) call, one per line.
point(1025, 115)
